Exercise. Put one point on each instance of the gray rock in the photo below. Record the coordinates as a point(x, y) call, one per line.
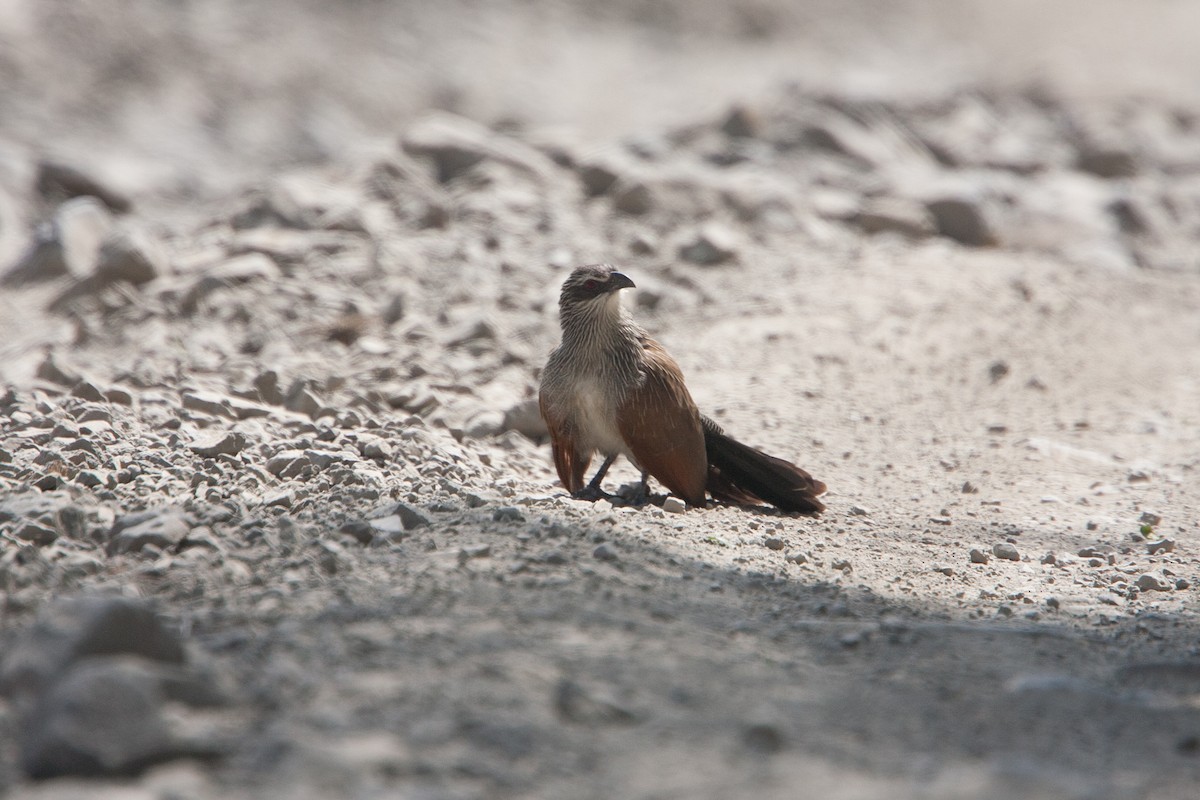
point(741, 122)
point(1161, 546)
point(56, 182)
point(394, 311)
point(474, 551)
point(132, 255)
point(763, 738)
point(219, 443)
point(86, 390)
point(281, 499)
point(267, 386)
point(207, 403)
point(774, 543)
point(575, 703)
point(245, 268)
point(82, 627)
point(508, 514)
point(526, 419)
point(81, 226)
point(472, 330)
point(895, 215)
point(1107, 162)
point(410, 517)
point(605, 552)
point(68, 245)
point(484, 424)
point(632, 197)
point(359, 530)
point(673, 505)
point(712, 244)
point(979, 556)
point(1006, 551)
point(1149, 582)
point(163, 528)
point(324, 459)
point(962, 220)
point(597, 178)
point(456, 144)
point(35, 532)
point(287, 464)
point(302, 401)
point(103, 718)
point(378, 449)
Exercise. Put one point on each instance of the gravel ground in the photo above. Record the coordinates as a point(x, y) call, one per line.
point(277, 514)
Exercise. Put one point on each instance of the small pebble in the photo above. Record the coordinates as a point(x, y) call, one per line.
point(508, 514)
point(1148, 582)
point(1006, 551)
point(980, 556)
point(474, 551)
point(604, 552)
point(673, 505)
point(1161, 546)
point(773, 543)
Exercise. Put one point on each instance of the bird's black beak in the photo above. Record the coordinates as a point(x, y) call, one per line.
point(619, 280)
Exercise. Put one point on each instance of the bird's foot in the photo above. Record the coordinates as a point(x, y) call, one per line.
point(591, 494)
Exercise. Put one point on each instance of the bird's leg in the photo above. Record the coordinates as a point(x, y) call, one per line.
point(593, 491)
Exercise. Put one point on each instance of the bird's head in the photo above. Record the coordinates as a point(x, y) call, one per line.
point(593, 287)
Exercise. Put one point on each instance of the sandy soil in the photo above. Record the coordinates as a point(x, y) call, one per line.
point(276, 516)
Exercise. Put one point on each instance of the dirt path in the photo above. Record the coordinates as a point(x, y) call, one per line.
point(276, 519)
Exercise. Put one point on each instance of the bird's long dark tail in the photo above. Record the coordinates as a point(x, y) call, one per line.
point(738, 473)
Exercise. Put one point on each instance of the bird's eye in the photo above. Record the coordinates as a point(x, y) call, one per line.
point(591, 284)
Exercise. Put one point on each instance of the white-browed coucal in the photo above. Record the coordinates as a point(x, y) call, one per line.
point(610, 388)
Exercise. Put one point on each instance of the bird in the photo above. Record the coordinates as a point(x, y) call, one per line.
point(610, 388)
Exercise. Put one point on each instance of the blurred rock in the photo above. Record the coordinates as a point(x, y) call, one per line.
point(741, 122)
point(1148, 582)
point(895, 215)
point(582, 706)
point(712, 244)
point(1006, 551)
point(56, 182)
point(102, 718)
point(51, 370)
point(131, 255)
point(962, 220)
point(219, 443)
point(1107, 162)
point(597, 178)
point(267, 386)
point(163, 528)
point(456, 144)
point(632, 197)
point(410, 517)
point(78, 628)
point(524, 418)
point(69, 245)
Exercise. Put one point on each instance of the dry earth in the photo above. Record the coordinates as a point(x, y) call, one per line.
point(275, 516)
